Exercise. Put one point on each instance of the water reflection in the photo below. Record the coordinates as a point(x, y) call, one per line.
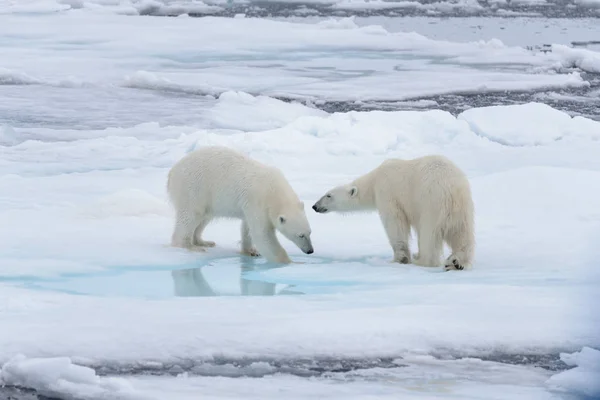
point(225, 280)
point(216, 277)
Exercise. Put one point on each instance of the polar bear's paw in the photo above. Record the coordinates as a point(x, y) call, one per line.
point(205, 243)
point(252, 252)
point(402, 258)
point(453, 263)
point(198, 249)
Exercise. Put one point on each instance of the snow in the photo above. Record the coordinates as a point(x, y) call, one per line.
point(529, 2)
point(100, 104)
point(581, 380)
point(514, 31)
point(439, 6)
point(588, 3)
point(334, 62)
point(58, 376)
point(128, 202)
point(586, 60)
point(8, 136)
point(8, 77)
point(111, 219)
point(185, 7)
point(527, 124)
point(415, 377)
point(253, 113)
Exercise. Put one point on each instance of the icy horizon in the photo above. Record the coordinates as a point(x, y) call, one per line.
point(307, 8)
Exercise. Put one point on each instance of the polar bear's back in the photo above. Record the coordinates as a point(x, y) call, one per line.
point(420, 172)
point(218, 179)
point(426, 184)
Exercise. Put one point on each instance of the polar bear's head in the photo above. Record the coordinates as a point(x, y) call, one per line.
point(292, 223)
point(339, 199)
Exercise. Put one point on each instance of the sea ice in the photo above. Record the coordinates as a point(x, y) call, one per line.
point(415, 377)
point(86, 224)
point(581, 380)
point(528, 124)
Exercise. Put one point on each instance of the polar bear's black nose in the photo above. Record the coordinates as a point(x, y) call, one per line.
point(310, 251)
point(314, 207)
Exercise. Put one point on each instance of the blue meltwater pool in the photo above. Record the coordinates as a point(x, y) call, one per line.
point(216, 277)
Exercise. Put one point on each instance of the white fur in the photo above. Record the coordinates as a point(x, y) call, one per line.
point(430, 194)
point(215, 182)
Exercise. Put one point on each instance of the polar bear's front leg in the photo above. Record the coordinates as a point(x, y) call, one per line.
point(247, 246)
point(264, 238)
point(397, 229)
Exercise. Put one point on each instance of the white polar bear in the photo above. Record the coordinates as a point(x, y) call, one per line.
point(430, 194)
point(217, 182)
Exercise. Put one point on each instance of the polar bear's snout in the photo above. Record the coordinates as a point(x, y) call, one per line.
point(338, 199)
point(305, 244)
point(318, 208)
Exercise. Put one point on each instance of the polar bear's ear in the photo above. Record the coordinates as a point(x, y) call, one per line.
point(353, 191)
point(281, 219)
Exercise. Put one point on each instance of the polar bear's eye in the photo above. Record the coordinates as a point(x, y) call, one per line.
point(328, 196)
point(301, 236)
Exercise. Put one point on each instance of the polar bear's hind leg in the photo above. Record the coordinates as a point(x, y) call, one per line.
point(431, 245)
point(183, 233)
point(461, 242)
point(460, 231)
point(203, 220)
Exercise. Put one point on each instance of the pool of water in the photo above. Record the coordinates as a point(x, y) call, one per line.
point(215, 277)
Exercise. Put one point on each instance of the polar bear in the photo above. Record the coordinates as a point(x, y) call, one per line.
point(430, 194)
point(215, 182)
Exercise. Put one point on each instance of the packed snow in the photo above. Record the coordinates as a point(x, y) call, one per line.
point(96, 206)
point(581, 380)
point(100, 104)
point(339, 61)
point(295, 7)
point(411, 378)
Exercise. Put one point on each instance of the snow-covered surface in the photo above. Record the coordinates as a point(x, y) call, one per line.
point(584, 59)
point(582, 380)
point(335, 60)
point(90, 216)
point(516, 31)
point(528, 124)
point(415, 377)
point(588, 3)
point(300, 7)
point(87, 278)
